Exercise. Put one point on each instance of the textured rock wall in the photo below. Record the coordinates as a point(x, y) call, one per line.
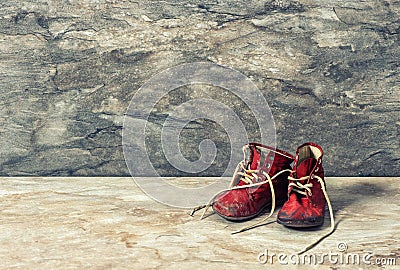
point(68, 70)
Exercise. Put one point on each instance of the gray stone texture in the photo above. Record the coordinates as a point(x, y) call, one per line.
point(330, 71)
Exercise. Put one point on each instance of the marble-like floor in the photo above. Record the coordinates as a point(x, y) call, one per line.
point(109, 223)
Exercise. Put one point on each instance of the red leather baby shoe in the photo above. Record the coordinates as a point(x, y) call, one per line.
point(305, 206)
point(259, 181)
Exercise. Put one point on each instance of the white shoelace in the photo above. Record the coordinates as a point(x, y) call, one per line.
point(247, 177)
point(305, 189)
point(297, 186)
point(262, 221)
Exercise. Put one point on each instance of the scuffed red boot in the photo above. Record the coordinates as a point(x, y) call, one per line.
point(259, 180)
point(306, 204)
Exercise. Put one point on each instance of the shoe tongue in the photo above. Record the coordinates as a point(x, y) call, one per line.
point(305, 167)
point(254, 164)
point(255, 160)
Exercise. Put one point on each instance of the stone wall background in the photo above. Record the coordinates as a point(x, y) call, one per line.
point(68, 70)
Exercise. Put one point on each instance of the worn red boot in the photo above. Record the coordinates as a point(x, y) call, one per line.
point(259, 181)
point(306, 204)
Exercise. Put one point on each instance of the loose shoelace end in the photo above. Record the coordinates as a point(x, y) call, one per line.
point(197, 208)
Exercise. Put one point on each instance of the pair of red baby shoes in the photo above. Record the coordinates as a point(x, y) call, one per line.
point(265, 178)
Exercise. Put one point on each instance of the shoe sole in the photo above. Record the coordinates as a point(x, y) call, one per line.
point(300, 224)
point(239, 219)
